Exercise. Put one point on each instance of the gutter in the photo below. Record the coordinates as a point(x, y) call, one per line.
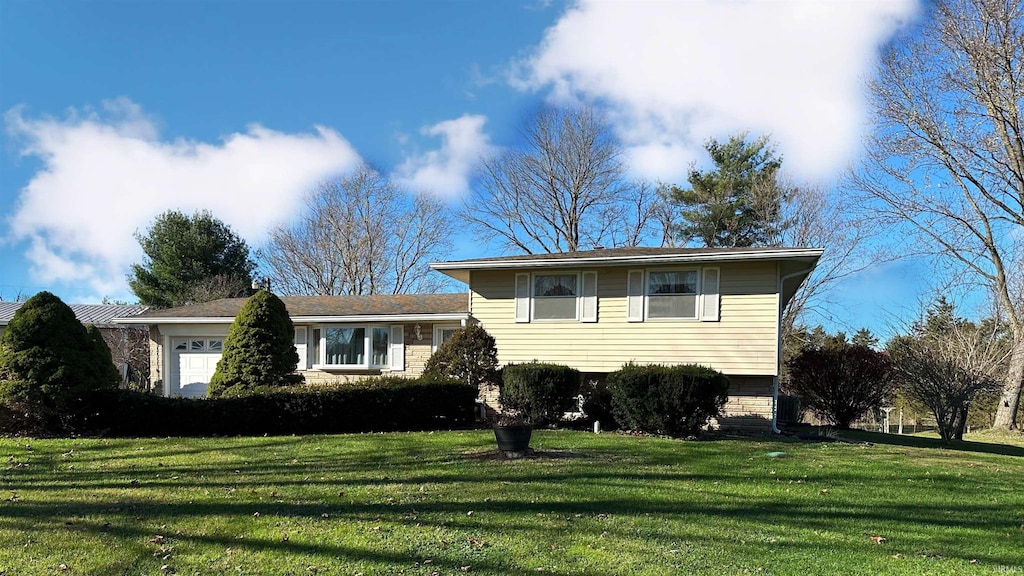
point(787, 254)
point(297, 319)
point(778, 348)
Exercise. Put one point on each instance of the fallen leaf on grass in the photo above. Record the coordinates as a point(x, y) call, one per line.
point(157, 539)
point(878, 539)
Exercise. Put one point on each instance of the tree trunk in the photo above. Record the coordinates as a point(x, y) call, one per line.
point(1009, 402)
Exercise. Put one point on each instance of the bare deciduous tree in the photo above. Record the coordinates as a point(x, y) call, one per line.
point(945, 166)
point(360, 234)
point(564, 189)
point(129, 349)
point(216, 287)
point(814, 217)
point(945, 367)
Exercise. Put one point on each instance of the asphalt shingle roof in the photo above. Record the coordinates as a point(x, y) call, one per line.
point(378, 305)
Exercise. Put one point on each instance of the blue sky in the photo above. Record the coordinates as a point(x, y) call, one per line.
point(117, 111)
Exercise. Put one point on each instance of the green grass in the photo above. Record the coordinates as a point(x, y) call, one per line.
point(426, 503)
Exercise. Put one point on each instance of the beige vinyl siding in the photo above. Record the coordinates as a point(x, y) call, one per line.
point(743, 341)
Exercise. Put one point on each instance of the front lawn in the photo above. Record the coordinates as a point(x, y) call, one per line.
point(426, 503)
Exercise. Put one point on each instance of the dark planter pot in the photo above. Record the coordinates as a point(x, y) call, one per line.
point(513, 438)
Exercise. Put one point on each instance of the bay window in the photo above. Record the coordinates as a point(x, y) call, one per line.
point(355, 347)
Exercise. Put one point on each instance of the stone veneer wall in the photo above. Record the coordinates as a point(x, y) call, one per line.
point(156, 360)
point(750, 403)
point(749, 406)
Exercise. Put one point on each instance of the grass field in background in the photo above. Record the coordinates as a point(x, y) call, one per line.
point(444, 503)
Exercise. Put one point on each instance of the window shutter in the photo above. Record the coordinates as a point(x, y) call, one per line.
point(589, 300)
point(710, 296)
point(300, 347)
point(522, 297)
point(398, 347)
point(635, 296)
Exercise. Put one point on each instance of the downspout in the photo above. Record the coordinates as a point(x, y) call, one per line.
point(778, 349)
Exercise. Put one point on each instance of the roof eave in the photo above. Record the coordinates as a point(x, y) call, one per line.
point(443, 317)
point(460, 269)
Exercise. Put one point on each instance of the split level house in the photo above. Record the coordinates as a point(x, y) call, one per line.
point(592, 310)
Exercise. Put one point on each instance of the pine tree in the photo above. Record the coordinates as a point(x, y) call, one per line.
point(737, 203)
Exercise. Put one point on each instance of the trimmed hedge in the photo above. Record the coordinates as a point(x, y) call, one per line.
point(372, 405)
point(673, 400)
point(539, 392)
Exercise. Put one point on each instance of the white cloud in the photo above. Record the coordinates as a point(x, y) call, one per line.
point(676, 73)
point(107, 174)
point(446, 171)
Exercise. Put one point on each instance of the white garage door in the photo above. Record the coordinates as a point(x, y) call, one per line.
point(195, 360)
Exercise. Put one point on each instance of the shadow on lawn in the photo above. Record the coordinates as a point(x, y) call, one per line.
point(923, 442)
point(662, 485)
point(923, 527)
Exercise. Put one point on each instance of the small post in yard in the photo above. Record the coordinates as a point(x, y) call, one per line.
point(885, 421)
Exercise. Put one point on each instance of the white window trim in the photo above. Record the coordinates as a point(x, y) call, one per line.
point(320, 363)
point(206, 348)
point(647, 295)
point(436, 341)
point(577, 297)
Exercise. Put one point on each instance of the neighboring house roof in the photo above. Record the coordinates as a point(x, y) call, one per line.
point(100, 315)
point(459, 269)
point(398, 307)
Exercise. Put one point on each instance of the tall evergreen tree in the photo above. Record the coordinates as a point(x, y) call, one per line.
point(737, 203)
point(190, 259)
point(259, 349)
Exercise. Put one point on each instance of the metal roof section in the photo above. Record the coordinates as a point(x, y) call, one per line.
point(99, 315)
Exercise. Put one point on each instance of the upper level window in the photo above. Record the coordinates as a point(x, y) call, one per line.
point(672, 294)
point(554, 296)
point(688, 294)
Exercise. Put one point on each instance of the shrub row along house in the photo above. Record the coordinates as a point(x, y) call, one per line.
point(592, 310)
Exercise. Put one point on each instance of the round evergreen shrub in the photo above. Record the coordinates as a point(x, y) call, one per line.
point(673, 400)
point(539, 392)
point(49, 360)
point(259, 350)
point(469, 356)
